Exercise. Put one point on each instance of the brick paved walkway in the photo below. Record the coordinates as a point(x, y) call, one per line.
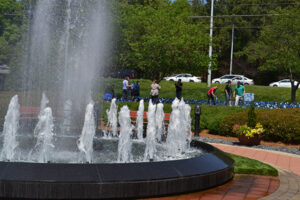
point(288, 164)
point(241, 187)
point(289, 187)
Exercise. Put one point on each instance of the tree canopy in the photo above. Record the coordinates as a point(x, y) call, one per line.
point(159, 37)
point(278, 47)
point(162, 39)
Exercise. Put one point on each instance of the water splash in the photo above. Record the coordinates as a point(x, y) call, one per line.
point(67, 117)
point(140, 120)
point(44, 130)
point(125, 142)
point(151, 133)
point(188, 122)
point(85, 142)
point(44, 103)
point(68, 43)
point(112, 117)
point(177, 140)
point(10, 129)
point(160, 125)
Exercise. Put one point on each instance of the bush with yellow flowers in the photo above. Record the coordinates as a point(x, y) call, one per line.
point(248, 131)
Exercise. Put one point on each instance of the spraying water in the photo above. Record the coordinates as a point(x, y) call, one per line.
point(67, 117)
point(10, 129)
point(160, 125)
point(188, 122)
point(125, 142)
point(112, 117)
point(44, 103)
point(140, 120)
point(44, 130)
point(85, 142)
point(177, 140)
point(68, 43)
point(151, 133)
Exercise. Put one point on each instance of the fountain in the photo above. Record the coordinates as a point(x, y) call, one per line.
point(112, 119)
point(151, 133)
point(160, 123)
point(85, 142)
point(44, 134)
point(125, 143)
point(62, 157)
point(177, 139)
point(10, 129)
point(140, 121)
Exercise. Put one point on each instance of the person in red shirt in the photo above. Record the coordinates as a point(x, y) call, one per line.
point(211, 95)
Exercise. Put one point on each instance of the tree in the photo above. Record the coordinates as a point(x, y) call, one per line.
point(278, 47)
point(162, 39)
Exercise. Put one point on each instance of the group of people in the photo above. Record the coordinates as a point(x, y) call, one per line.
point(132, 91)
point(238, 93)
point(135, 90)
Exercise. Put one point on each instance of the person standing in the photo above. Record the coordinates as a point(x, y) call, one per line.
point(136, 90)
point(126, 87)
point(228, 92)
point(211, 94)
point(154, 91)
point(178, 86)
point(239, 93)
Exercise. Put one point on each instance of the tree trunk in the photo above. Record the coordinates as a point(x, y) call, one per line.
point(294, 90)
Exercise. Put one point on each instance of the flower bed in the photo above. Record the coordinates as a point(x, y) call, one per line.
point(280, 125)
point(266, 105)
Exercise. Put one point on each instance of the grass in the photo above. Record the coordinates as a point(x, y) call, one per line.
point(199, 90)
point(210, 117)
point(245, 165)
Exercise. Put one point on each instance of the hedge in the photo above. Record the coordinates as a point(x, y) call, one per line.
point(280, 124)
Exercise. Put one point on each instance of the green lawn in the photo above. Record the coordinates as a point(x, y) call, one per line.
point(245, 165)
point(210, 117)
point(199, 90)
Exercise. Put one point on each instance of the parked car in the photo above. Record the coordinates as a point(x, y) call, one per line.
point(4, 69)
point(282, 83)
point(243, 80)
point(225, 78)
point(183, 77)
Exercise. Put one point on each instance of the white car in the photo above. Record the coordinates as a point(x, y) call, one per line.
point(283, 83)
point(184, 78)
point(4, 69)
point(224, 79)
point(243, 80)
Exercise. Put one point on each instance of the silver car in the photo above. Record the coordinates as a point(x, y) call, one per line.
point(225, 78)
point(183, 77)
point(243, 80)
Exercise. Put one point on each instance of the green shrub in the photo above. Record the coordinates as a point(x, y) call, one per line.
point(280, 124)
point(251, 122)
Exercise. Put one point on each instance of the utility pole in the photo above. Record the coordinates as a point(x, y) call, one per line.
point(210, 42)
point(231, 55)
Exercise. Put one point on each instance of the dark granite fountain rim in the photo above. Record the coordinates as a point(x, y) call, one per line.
point(63, 181)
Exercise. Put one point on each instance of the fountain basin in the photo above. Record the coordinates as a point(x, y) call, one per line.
point(114, 181)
